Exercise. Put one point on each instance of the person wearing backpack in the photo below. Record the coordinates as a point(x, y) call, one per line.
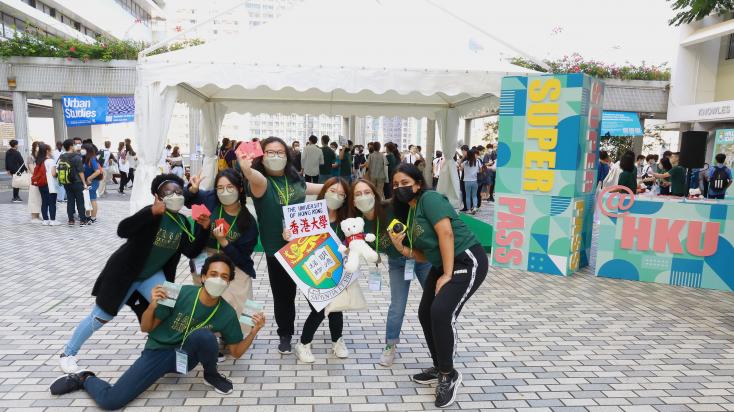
point(43, 179)
point(93, 174)
point(103, 159)
point(719, 178)
point(71, 174)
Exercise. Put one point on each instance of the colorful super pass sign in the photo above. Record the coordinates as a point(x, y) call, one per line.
point(546, 172)
point(89, 110)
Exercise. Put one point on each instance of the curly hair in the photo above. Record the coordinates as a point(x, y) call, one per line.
point(162, 178)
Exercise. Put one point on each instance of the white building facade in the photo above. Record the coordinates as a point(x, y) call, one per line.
point(702, 83)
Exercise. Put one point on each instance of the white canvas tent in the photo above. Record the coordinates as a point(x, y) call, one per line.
point(405, 58)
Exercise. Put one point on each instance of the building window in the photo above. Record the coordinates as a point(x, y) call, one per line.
point(730, 54)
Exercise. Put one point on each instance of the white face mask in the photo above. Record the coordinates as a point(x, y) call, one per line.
point(77, 147)
point(83, 152)
point(274, 164)
point(333, 201)
point(215, 286)
point(227, 198)
point(174, 202)
point(365, 203)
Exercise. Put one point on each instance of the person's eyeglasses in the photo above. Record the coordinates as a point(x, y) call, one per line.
point(170, 192)
point(273, 153)
point(228, 188)
point(341, 196)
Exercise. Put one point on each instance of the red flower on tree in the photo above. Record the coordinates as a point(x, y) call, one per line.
point(72, 49)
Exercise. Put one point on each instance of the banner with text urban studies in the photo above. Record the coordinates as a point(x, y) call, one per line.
point(89, 110)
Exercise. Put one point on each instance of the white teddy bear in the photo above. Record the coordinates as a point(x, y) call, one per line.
point(356, 242)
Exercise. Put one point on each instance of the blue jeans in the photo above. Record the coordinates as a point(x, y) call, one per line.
point(60, 191)
point(48, 203)
point(97, 318)
point(201, 347)
point(470, 190)
point(399, 290)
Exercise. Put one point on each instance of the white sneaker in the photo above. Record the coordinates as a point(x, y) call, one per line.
point(46, 223)
point(68, 364)
point(340, 349)
point(54, 223)
point(388, 355)
point(303, 353)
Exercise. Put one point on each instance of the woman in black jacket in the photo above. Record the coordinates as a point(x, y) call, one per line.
point(236, 239)
point(156, 236)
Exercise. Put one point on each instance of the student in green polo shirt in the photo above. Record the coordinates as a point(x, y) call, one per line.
point(459, 265)
point(677, 176)
point(345, 165)
point(273, 182)
point(156, 237)
point(366, 202)
point(179, 338)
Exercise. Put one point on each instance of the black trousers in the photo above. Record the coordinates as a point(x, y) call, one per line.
point(479, 194)
point(336, 325)
point(311, 179)
point(463, 194)
point(75, 195)
point(123, 181)
point(16, 193)
point(438, 313)
point(284, 296)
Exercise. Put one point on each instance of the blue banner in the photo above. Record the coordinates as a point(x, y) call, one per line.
point(88, 110)
point(620, 124)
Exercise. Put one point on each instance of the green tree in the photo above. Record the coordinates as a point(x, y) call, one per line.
point(615, 146)
point(694, 10)
point(491, 132)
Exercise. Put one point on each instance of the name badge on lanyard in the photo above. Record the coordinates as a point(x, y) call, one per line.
point(375, 279)
point(182, 362)
point(409, 269)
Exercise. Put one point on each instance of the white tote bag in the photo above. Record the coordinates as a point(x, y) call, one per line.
point(21, 180)
point(351, 299)
point(87, 203)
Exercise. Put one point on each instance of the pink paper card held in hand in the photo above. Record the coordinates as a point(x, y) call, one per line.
point(252, 148)
point(199, 210)
point(223, 223)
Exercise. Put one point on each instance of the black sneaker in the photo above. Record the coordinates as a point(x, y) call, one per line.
point(427, 377)
point(448, 387)
point(17, 200)
point(220, 357)
point(219, 383)
point(285, 345)
point(69, 383)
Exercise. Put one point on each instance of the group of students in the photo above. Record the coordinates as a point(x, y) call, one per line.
point(477, 170)
point(437, 248)
point(665, 177)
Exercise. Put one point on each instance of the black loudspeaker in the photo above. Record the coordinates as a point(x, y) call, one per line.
point(693, 149)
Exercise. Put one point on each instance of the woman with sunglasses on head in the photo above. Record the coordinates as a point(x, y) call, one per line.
point(157, 236)
point(236, 239)
point(335, 190)
point(458, 266)
point(273, 182)
point(366, 202)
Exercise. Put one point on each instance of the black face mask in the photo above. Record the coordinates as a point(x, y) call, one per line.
point(405, 194)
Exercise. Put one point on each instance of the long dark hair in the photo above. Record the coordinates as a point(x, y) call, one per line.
point(471, 157)
point(401, 209)
point(627, 162)
point(393, 148)
point(665, 163)
point(379, 210)
point(42, 153)
point(91, 153)
point(244, 219)
point(343, 212)
point(290, 171)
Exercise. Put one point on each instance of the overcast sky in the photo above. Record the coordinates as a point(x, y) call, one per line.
point(613, 31)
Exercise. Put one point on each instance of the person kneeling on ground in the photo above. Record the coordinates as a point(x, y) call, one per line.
point(178, 339)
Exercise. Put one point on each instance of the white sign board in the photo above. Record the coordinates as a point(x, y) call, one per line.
point(306, 219)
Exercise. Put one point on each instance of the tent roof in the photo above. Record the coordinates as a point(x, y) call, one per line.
point(338, 53)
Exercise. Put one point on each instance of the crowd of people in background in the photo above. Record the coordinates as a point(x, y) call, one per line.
point(663, 175)
point(75, 172)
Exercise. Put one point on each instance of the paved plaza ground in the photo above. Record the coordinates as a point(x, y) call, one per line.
point(527, 341)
